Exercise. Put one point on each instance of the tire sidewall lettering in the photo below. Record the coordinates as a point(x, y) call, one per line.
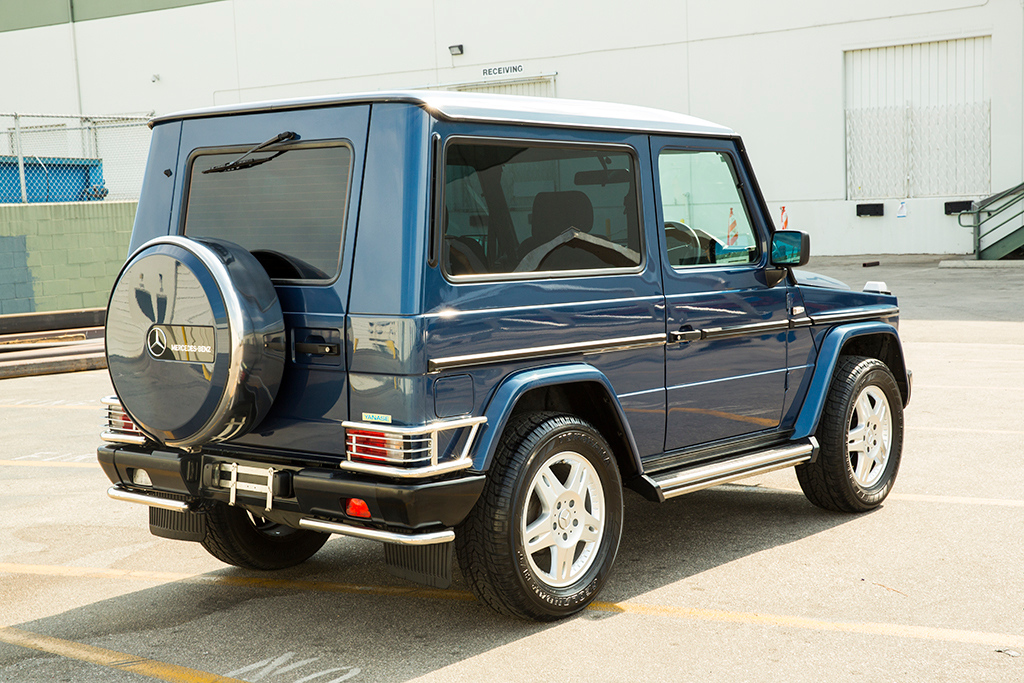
point(582, 592)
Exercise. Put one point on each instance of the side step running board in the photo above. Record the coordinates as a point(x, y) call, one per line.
point(664, 485)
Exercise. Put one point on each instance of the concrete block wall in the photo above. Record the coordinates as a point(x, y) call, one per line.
point(56, 257)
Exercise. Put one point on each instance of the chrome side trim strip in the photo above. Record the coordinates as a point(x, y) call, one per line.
point(711, 333)
point(865, 313)
point(118, 493)
point(596, 346)
point(449, 313)
point(429, 538)
point(744, 330)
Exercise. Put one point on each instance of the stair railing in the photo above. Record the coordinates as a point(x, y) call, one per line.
point(1012, 198)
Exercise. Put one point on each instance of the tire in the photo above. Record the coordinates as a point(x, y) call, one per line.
point(237, 537)
point(194, 340)
point(860, 436)
point(512, 560)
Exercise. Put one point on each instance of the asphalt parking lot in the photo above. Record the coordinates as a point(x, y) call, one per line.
point(744, 582)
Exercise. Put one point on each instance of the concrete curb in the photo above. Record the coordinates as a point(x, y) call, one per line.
point(981, 264)
point(36, 366)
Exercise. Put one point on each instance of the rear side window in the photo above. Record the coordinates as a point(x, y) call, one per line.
point(287, 208)
point(515, 209)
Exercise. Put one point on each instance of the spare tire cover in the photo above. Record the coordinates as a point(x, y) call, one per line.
point(195, 340)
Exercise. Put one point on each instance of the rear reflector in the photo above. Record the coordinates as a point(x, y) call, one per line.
point(357, 507)
point(141, 478)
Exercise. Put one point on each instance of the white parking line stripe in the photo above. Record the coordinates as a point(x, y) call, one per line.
point(964, 430)
point(868, 628)
point(98, 408)
point(914, 497)
point(46, 463)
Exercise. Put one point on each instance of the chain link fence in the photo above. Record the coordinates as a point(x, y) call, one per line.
point(45, 158)
point(938, 151)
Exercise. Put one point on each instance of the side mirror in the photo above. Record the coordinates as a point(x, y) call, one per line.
point(790, 248)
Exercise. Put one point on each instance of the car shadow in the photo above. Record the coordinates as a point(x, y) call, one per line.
point(343, 612)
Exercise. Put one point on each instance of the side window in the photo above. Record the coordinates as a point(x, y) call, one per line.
point(519, 208)
point(706, 220)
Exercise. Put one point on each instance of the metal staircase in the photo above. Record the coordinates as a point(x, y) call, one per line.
point(998, 223)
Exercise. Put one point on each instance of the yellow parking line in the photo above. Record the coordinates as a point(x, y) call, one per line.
point(46, 463)
point(627, 607)
point(244, 581)
point(109, 658)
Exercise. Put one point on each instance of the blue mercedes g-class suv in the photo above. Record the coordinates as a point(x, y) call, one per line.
point(460, 324)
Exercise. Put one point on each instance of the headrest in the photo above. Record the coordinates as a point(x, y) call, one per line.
point(556, 212)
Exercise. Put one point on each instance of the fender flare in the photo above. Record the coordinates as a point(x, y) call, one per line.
point(503, 402)
point(828, 356)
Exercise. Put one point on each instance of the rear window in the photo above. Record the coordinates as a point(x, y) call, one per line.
point(288, 208)
point(514, 209)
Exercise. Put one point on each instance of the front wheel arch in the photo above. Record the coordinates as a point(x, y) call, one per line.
point(860, 437)
point(874, 340)
point(886, 348)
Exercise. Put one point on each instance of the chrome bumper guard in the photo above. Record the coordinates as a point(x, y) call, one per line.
point(422, 538)
point(125, 496)
point(406, 452)
point(119, 427)
point(428, 538)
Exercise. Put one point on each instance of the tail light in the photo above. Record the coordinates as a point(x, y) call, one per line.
point(119, 427)
point(374, 446)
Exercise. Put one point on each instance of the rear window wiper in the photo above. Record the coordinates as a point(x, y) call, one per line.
point(241, 162)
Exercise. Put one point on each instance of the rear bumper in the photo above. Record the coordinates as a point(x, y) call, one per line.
point(318, 495)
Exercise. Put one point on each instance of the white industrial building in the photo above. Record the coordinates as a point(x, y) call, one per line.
point(907, 104)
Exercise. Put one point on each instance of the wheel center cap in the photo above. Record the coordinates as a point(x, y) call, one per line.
point(563, 519)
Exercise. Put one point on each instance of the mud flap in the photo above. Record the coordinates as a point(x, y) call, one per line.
point(427, 564)
point(181, 526)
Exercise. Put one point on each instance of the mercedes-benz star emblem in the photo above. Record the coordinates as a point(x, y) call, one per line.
point(157, 342)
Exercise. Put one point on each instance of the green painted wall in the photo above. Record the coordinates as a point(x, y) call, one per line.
point(57, 257)
point(20, 14)
point(102, 9)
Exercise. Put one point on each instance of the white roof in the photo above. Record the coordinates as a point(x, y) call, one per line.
point(508, 109)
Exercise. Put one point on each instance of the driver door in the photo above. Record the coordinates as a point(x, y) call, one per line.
point(727, 320)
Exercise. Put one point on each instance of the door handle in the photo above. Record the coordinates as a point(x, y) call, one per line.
point(684, 336)
point(318, 348)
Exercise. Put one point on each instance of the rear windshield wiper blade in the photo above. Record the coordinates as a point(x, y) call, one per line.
point(241, 162)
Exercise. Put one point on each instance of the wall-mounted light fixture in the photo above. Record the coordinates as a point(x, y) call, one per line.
point(455, 49)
